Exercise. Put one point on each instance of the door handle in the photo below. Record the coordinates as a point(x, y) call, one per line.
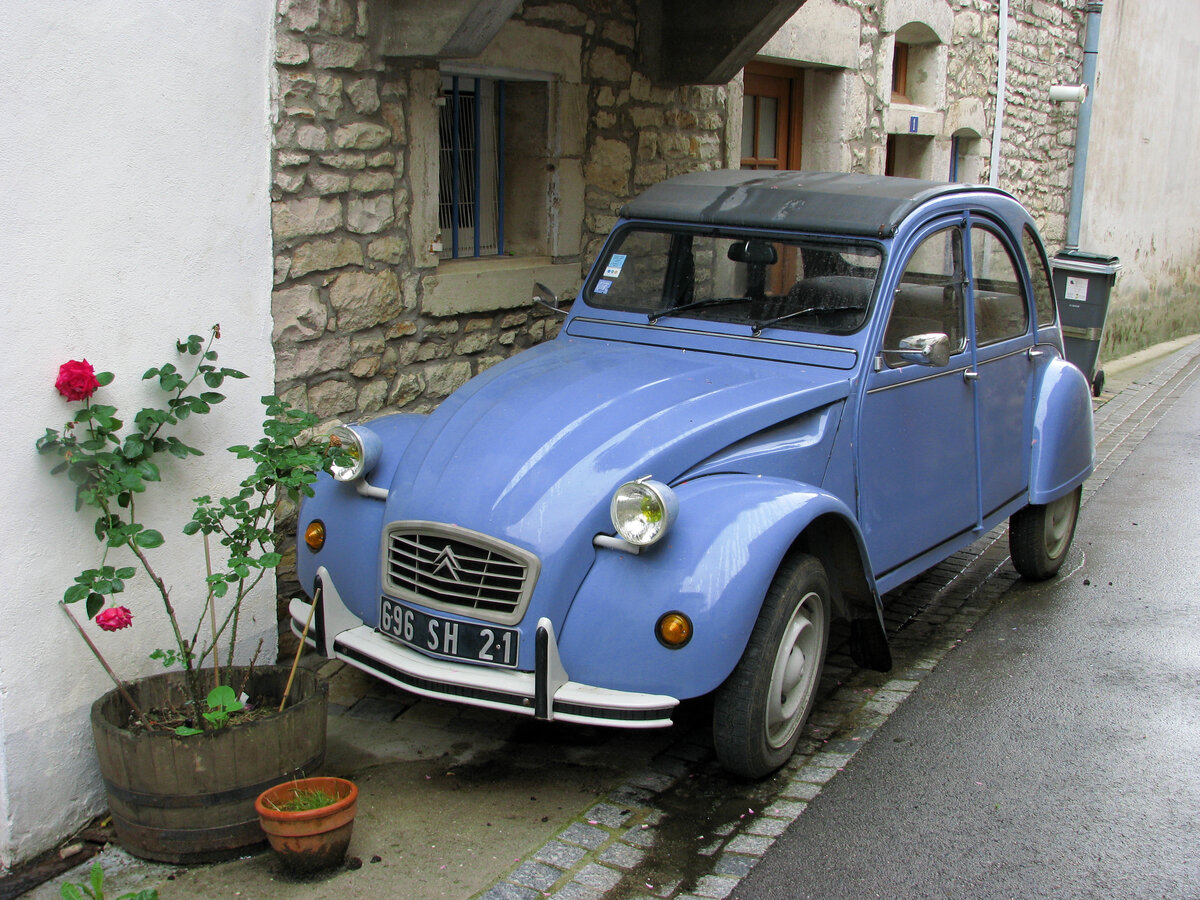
point(1032, 353)
point(970, 375)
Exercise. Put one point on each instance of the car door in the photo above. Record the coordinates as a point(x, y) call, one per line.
point(917, 474)
point(1003, 365)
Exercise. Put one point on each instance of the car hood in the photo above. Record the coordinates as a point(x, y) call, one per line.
point(532, 450)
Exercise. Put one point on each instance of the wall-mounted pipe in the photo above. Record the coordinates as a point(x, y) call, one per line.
point(1001, 97)
point(1091, 49)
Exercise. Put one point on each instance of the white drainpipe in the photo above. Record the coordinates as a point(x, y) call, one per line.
point(1091, 49)
point(1001, 92)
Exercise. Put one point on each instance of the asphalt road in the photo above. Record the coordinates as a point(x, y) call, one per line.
point(1056, 752)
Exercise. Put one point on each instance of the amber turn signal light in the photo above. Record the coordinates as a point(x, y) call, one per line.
point(314, 535)
point(673, 630)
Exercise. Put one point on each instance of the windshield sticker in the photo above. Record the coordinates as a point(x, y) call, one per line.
point(603, 285)
point(616, 263)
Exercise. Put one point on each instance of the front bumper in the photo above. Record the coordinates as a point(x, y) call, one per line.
point(546, 693)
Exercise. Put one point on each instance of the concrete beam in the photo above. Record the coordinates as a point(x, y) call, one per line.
point(706, 41)
point(437, 29)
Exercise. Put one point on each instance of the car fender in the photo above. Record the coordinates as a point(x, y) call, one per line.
point(714, 566)
point(1063, 441)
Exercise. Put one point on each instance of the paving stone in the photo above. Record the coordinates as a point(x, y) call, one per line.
point(607, 814)
point(622, 856)
point(599, 877)
point(559, 854)
point(787, 809)
point(584, 835)
point(639, 836)
point(505, 891)
point(715, 886)
point(576, 891)
point(736, 864)
point(535, 875)
point(767, 827)
point(750, 844)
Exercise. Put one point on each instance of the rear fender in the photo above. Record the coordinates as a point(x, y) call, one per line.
point(715, 566)
point(1063, 441)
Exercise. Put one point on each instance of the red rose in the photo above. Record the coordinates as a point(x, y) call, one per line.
point(76, 379)
point(114, 618)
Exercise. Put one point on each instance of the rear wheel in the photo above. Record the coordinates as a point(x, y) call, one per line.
point(1039, 536)
point(758, 711)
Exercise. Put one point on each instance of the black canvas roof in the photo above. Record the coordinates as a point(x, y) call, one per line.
point(831, 202)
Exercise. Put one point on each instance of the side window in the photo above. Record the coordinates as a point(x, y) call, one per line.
point(929, 298)
point(1000, 310)
point(1043, 293)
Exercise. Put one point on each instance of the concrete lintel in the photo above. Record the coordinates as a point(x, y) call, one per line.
point(706, 41)
point(488, 285)
point(897, 119)
point(437, 29)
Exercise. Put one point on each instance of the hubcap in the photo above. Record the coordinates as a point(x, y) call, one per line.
point(796, 669)
point(1060, 517)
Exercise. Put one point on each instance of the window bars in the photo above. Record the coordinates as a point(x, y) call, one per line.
point(471, 180)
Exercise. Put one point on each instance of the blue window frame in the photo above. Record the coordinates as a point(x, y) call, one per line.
point(471, 181)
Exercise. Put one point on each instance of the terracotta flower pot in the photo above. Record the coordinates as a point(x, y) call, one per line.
point(309, 840)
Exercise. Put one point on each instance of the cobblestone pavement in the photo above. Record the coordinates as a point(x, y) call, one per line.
point(681, 829)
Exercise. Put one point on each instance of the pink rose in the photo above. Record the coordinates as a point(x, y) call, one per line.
point(76, 380)
point(114, 618)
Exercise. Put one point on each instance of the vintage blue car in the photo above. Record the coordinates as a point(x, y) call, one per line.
point(777, 396)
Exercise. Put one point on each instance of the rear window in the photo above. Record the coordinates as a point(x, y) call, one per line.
point(760, 281)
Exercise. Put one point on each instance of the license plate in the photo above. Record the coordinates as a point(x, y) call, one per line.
point(489, 644)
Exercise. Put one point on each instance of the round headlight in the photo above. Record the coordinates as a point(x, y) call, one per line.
point(643, 510)
point(362, 446)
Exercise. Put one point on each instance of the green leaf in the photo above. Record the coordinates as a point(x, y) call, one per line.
point(103, 378)
point(75, 593)
point(148, 539)
point(95, 603)
point(187, 731)
point(270, 560)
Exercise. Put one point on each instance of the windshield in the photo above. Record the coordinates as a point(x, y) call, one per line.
point(803, 284)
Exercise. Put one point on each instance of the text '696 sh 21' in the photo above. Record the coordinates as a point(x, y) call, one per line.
point(777, 396)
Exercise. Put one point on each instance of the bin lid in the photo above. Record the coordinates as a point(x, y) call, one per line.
point(1083, 261)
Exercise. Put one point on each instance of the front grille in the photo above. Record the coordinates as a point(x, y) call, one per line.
point(454, 569)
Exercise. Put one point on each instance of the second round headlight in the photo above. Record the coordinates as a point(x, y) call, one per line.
point(642, 511)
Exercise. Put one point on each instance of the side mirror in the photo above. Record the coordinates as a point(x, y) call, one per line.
point(923, 349)
point(545, 297)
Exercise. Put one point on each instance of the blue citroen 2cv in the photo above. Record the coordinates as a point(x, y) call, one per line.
point(776, 396)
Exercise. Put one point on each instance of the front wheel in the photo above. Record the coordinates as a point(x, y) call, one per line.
point(1039, 536)
point(759, 709)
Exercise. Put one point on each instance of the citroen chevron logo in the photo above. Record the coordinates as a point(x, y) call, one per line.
point(448, 561)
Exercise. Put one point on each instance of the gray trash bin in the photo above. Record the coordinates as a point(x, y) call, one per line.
point(1082, 284)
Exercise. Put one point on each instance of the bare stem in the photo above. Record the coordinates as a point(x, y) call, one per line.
point(107, 668)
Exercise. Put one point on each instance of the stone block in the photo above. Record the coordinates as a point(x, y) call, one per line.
point(302, 217)
point(364, 299)
point(361, 136)
point(299, 314)
point(369, 215)
point(324, 256)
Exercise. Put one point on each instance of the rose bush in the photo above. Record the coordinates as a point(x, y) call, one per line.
point(112, 466)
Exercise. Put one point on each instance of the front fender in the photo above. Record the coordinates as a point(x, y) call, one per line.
point(715, 566)
point(1063, 440)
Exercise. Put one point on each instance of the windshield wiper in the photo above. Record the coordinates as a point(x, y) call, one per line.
point(695, 304)
point(757, 327)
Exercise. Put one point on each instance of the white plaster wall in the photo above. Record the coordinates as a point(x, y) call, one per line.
point(1142, 196)
point(136, 149)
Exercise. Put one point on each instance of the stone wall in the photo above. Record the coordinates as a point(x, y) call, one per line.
point(359, 329)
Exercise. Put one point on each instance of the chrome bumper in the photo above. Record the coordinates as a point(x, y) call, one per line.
point(546, 693)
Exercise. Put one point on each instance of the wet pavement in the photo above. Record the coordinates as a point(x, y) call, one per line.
point(462, 803)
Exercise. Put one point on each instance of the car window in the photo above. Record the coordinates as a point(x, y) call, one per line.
point(802, 284)
point(929, 297)
point(1000, 309)
point(1043, 293)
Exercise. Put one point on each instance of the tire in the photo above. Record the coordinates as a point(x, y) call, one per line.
point(1039, 536)
point(759, 710)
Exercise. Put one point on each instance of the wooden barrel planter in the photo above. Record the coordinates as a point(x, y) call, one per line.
point(191, 799)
